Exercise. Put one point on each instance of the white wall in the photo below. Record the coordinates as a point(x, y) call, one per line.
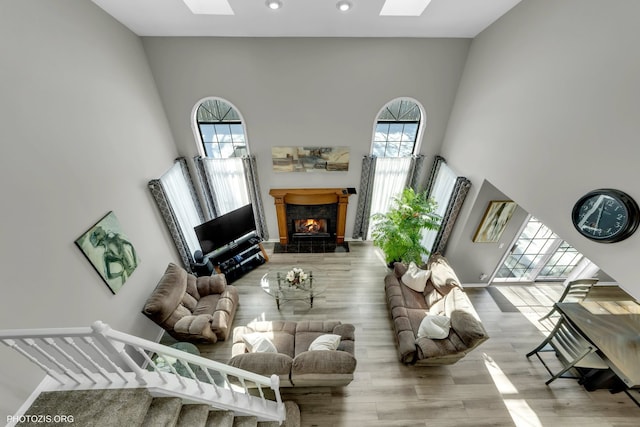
point(318, 92)
point(547, 110)
point(82, 131)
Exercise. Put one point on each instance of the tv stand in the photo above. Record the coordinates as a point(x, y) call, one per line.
point(239, 257)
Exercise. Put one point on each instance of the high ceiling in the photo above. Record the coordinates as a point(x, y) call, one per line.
point(307, 18)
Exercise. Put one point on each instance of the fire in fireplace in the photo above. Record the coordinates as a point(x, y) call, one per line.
point(310, 227)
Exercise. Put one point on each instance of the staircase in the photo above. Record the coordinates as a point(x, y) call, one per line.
point(102, 377)
point(137, 407)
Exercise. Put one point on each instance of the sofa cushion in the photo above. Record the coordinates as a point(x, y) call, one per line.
point(437, 349)
point(434, 327)
point(411, 298)
point(167, 295)
point(192, 289)
point(415, 277)
point(325, 342)
point(258, 342)
point(308, 330)
point(399, 269)
point(346, 331)
point(193, 324)
point(442, 275)
point(431, 296)
point(281, 333)
point(323, 362)
point(208, 285)
point(468, 328)
point(438, 308)
point(189, 302)
point(207, 304)
point(265, 364)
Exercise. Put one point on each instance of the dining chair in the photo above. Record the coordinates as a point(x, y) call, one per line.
point(575, 291)
point(572, 350)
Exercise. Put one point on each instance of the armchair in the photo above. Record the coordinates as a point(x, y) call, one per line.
point(193, 308)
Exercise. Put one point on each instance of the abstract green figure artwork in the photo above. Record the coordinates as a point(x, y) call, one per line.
point(109, 251)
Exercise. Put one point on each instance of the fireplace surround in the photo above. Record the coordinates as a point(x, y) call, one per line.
point(329, 204)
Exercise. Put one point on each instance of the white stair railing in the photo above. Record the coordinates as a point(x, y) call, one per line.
point(99, 357)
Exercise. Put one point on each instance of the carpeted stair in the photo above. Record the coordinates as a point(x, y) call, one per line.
point(136, 407)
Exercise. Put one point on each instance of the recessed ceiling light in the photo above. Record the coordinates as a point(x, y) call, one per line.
point(274, 4)
point(209, 7)
point(343, 5)
point(404, 7)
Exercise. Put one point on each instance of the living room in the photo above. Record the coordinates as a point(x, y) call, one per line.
point(540, 105)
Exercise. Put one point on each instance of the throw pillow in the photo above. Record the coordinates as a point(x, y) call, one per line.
point(434, 327)
point(325, 342)
point(443, 277)
point(415, 277)
point(258, 343)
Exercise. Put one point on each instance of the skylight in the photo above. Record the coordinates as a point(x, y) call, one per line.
point(404, 7)
point(209, 7)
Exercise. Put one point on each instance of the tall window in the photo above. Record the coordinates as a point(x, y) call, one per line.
point(394, 143)
point(222, 136)
point(221, 130)
point(396, 130)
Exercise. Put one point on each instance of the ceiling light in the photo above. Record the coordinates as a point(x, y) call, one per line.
point(343, 5)
point(210, 7)
point(404, 7)
point(274, 4)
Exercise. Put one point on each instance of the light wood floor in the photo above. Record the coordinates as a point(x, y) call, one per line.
point(495, 385)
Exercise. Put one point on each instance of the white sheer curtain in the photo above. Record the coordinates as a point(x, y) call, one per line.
point(390, 178)
point(181, 202)
point(441, 192)
point(228, 183)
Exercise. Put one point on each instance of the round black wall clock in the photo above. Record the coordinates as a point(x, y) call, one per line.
point(606, 215)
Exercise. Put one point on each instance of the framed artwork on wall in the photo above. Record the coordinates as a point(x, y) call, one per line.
point(494, 221)
point(109, 251)
point(310, 159)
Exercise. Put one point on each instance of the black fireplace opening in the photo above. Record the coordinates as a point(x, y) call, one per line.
point(311, 228)
point(312, 222)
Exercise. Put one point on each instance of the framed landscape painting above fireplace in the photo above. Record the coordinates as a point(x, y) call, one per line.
point(310, 159)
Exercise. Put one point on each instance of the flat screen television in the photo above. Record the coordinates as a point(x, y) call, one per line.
point(225, 229)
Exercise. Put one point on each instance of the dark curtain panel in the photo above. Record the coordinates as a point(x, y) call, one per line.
point(431, 179)
point(363, 211)
point(253, 184)
point(460, 190)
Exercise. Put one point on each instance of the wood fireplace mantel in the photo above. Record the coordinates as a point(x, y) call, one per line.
point(310, 196)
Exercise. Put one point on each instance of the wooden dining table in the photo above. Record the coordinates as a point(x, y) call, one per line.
point(613, 327)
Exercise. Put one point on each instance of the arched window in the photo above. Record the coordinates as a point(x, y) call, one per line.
point(221, 129)
point(392, 164)
point(397, 129)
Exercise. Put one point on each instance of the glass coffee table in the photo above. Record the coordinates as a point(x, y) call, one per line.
point(275, 284)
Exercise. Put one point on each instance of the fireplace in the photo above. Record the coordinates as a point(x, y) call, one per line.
point(312, 221)
point(326, 208)
point(310, 228)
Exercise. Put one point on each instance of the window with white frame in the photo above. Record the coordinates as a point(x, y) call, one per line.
point(394, 143)
point(222, 135)
point(221, 130)
point(397, 129)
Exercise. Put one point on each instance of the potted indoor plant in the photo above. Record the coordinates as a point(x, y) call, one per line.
point(399, 231)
